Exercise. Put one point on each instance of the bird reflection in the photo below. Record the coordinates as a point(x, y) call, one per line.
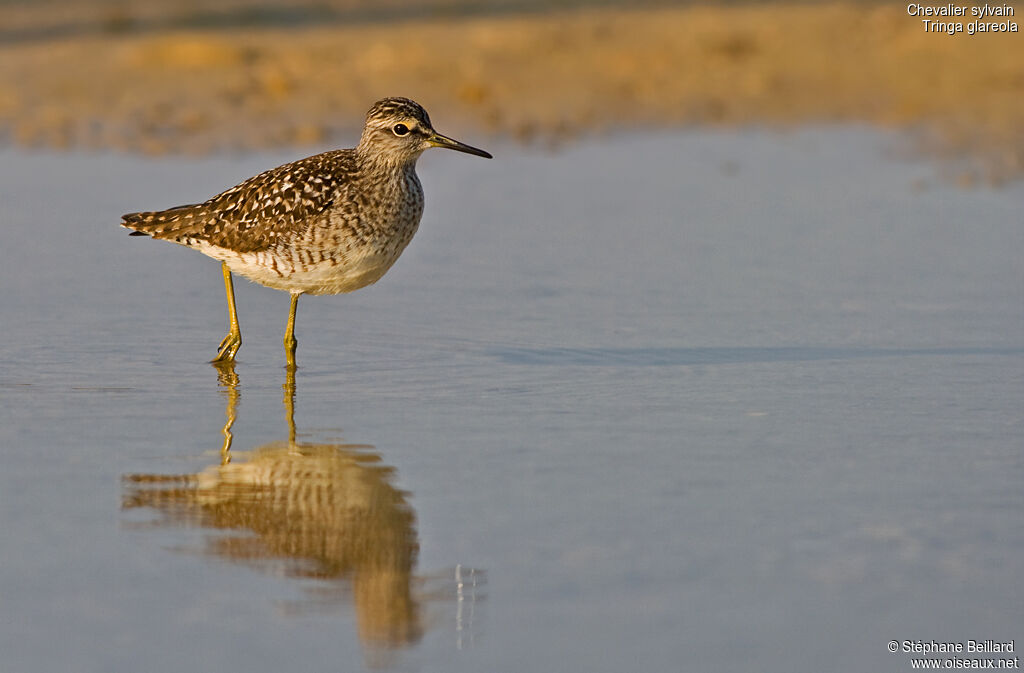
point(326, 511)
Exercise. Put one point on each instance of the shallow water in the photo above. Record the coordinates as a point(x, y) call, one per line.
point(687, 402)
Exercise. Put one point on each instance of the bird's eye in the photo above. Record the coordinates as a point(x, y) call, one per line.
point(400, 129)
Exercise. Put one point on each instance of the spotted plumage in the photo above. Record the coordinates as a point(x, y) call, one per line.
point(326, 224)
point(256, 214)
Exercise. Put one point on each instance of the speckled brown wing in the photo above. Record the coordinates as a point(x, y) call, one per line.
point(253, 215)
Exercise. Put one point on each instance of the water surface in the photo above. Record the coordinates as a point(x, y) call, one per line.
point(685, 402)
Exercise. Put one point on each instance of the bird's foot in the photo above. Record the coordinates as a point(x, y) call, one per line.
point(229, 345)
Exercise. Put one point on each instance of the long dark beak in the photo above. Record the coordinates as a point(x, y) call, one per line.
point(438, 140)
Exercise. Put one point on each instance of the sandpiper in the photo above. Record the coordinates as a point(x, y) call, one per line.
point(327, 224)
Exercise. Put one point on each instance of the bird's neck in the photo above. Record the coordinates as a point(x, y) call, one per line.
point(385, 175)
point(372, 162)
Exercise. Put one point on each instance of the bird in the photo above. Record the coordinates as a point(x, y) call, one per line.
point(331, 223)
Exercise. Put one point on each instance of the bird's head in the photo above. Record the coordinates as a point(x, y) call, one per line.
point(399, 130)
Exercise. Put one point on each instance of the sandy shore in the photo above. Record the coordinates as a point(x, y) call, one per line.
point(542, 77)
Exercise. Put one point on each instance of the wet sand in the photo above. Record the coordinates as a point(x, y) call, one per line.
point(536, 76)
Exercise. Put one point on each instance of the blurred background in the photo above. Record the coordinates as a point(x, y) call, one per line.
point(157, 76)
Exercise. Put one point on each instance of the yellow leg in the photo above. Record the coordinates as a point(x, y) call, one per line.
point(290, 341)
point(230, 344)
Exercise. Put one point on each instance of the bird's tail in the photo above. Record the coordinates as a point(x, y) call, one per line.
point(171, 223)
